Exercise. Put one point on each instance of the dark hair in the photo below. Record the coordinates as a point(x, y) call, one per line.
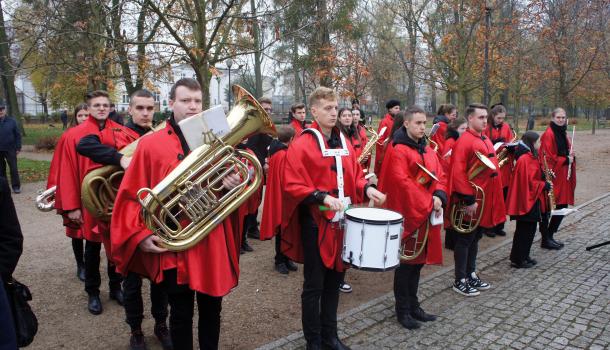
point(296, 106)
point(453, 126)
point(399, 120)
point(266, 100)
point(189, 83)
point(285, 133)
point(141, 93)
point(474, 106)
point(362, 117)
point(78, 108)
point(446, 108)
point(97, 93)
point(496, 109)
point(348, 130)
point(529, 138)
point(412, 110)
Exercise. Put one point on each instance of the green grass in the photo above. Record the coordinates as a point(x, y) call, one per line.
point(35, 132)
point(32, 170)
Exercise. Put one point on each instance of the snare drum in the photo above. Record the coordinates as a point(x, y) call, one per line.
point(372, 238)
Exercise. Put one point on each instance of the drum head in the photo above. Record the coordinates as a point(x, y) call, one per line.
point(373, 216)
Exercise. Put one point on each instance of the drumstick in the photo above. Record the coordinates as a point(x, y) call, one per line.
point(325, 208)
point(570, 161)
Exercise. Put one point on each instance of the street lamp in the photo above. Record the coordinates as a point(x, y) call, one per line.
point(229, 64)
point(218, 85)
point(488, 9)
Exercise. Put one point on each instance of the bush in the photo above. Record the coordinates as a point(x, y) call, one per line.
point(46, 143)
point(27, 117)
point(55, 117)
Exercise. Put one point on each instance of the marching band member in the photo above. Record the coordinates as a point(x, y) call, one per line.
point(141, 109)
point(467, 282)
point(393, 107)
point(555, 144)
point(297, 118)
point(81, 113)
point(499, 131)
point(74, 169)
point(416, 196)
point(209, 269)
point(446, 113)
point(314, 165)
point(271, 221)
point(526, 199)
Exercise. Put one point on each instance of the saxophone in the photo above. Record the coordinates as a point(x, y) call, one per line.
point(368, 148)
point(549, 175)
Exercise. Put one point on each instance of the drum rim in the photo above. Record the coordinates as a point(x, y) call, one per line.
point(372, 269)
point(376, 222)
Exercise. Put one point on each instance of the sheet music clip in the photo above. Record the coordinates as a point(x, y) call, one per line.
point(205, 127)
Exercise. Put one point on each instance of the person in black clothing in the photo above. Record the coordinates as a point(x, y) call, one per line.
point(64, 119)
point(141, 109)
point(11, 247)
point(10, 146)
point(114, 115)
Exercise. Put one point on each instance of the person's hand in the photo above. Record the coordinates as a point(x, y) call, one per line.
point(333, 203)
point(231, 181)
point(76, 215)
point(125, 161)
point(471, 209)
point(377, 197)
point(149, 245)
point(438, 204)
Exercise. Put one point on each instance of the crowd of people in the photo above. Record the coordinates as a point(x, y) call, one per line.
point(465, 180)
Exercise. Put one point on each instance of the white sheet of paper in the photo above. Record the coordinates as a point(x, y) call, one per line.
point(212, 120)
point(563, 212)
point(436, 220)
point(498, 145)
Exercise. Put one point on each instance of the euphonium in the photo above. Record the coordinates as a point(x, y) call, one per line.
point(503, 155)
point(100, 186)
point(424, 178)
point(190, 201)
point(368, 148)
point(458, 210)
point(46, 199)
point(549, 175)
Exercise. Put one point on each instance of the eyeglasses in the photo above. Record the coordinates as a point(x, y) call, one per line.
point(101, 105)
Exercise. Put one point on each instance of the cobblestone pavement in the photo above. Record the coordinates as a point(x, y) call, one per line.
point(562, 303)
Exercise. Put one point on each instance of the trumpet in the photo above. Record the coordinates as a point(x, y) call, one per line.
point(458, 210)
point(190, 201)
point(45, 201)
point(503, 155)
point(549, 175)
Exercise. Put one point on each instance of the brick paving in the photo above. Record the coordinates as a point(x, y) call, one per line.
point(562, 303)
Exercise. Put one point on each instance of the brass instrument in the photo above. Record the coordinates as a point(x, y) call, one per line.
point(549, 175)
point(432, 144)
point(503, 155)
point(45, 201)
point(458, 211)
point(368, 148)
point(424, 178)
point(100, 186)
point(190, 201)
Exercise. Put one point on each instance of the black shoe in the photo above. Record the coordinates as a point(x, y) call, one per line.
point(334, 343)
point(281, 268)
point(475, 282)
point(17, 189)
point(501, 233)
point(95, 304)
point(531, 261)
point(117, 294)
point(420, 315)
point(549, 244)
point(522, 265)
point(408, 322)
point(162, 333)
point(291, 266)
point(462, 287)
point(136, 342)
point(489, 233)
point(254, 233)
point(246, 247)
point(559, 243)
point(80, 272)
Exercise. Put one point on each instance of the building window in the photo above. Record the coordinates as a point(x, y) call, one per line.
point(125, 98)
point(156, 96)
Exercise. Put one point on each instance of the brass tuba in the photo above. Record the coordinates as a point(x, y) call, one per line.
point(100, 186)
point(190, 201)
point(458, 215)
point(45, 201)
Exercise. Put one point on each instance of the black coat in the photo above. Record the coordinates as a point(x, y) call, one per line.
point(11, 239)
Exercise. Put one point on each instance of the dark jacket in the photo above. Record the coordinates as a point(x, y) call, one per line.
point(10, 137)
point(11, 239)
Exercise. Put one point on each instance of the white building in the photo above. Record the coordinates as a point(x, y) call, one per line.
point(27, 98)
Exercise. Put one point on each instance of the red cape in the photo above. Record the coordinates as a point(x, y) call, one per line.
point(210, 267)
point(503, 133)
point(298, 127)
point(272, 208)
point(527, 186)
point(388, 122)
point(563, 188)
point(439, 136)
point(306, 171)
point(414, 201)
point(462, 158)
point(250, 206)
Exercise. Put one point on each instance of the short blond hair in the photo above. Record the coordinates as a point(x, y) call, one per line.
point(322, 93)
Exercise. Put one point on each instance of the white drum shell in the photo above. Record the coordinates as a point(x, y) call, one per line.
point(372, 243)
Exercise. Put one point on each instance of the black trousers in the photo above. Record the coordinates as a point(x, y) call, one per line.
point(465, 253)
point(8, 339)
point(134, 306)
point(406, 283)
point(450, 238)
point(522, 241)
point(78, 249)
point(320, 296)
point(93, 280)
point(556, 220)
point(10, 157)
point(279, 257)
point(182, 303)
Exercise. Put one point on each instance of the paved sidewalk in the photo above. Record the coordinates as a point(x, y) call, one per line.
point(562, 303)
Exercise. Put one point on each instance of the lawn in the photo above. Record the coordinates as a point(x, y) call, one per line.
point(35, 132)
point(32, 170)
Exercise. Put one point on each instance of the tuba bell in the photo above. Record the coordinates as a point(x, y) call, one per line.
point(45, 201)
point(190, 201)
point(459, 219)
point(100, 186)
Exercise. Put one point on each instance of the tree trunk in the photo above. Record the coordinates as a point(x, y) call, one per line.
point(8, 75)
point(258, 55)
